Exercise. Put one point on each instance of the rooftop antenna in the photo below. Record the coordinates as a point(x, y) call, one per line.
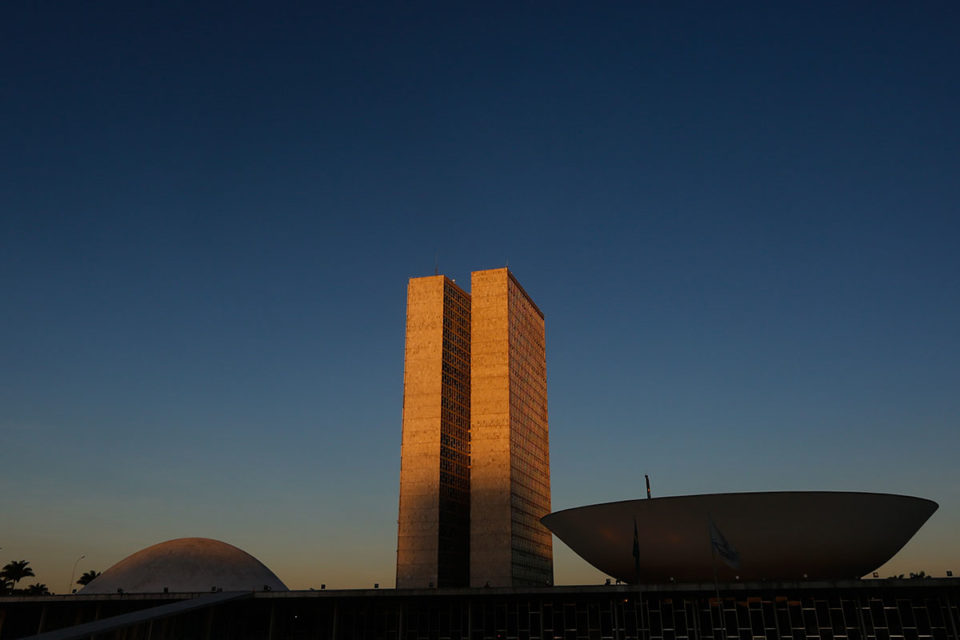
point(647, 478)
point(436, 263)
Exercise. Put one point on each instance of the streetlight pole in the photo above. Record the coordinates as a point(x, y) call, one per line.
point(73, 571)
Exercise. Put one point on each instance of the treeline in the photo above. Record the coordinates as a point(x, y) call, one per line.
point(15, 571)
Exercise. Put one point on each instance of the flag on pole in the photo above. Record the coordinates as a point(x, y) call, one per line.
point(636, 551)
point(722, 548)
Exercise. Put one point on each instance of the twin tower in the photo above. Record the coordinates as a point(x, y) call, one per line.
point(475, 460)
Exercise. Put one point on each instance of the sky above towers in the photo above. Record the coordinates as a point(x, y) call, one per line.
point(740, 222)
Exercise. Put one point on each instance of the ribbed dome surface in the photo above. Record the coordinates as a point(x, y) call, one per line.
point(186, 565)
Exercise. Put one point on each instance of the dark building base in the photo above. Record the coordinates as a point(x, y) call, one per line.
point(916, 609)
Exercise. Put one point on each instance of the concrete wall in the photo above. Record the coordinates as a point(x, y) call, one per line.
point(510, 474)
point(418, 526)
point(490, 431)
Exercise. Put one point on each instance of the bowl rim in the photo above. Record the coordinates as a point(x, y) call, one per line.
point(933, 503)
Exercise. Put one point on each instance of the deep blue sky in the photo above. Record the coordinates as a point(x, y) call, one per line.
point(741, 222)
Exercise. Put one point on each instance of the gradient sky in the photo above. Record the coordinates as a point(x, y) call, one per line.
point(740, 220)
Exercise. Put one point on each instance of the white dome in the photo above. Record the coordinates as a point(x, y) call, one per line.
point(186, 565)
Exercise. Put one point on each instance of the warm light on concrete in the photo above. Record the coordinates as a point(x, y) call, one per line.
point(475, 461)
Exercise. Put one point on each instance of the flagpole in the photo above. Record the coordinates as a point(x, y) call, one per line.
point(636, 552)
point(716, 583)
point(636, 566)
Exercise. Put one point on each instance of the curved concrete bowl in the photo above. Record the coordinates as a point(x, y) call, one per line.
point(777, 535)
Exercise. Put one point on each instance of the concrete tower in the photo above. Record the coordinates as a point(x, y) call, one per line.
point(433, 540)
point(510, 471)
point(475, 462)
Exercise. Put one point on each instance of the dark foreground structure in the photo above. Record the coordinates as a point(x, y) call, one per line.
point(914, 609)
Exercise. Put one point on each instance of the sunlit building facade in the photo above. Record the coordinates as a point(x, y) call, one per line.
point(510, 474)
point(433, 539)
point(475, 466)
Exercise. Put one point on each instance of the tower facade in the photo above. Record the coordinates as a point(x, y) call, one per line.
point(510, 471)
point(475, 464)
point(433, 538)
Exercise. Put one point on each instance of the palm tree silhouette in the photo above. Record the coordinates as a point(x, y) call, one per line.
point(16, 571)
point(38, 589)
point(88, 577)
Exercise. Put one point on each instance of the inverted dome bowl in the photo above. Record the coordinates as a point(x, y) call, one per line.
point(777, 535)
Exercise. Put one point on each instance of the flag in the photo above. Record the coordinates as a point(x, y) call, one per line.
point(636, 551)
point(722, 548)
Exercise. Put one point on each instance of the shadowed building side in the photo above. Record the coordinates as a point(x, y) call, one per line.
point(510, 473)
point(433, 539)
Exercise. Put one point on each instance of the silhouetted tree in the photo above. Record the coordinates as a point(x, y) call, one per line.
point(88, 577)
point(38, 589)
point(5, 586)
point(16, 571)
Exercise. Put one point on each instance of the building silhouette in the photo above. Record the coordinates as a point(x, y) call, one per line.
point(475, 465)
point(890, 609)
